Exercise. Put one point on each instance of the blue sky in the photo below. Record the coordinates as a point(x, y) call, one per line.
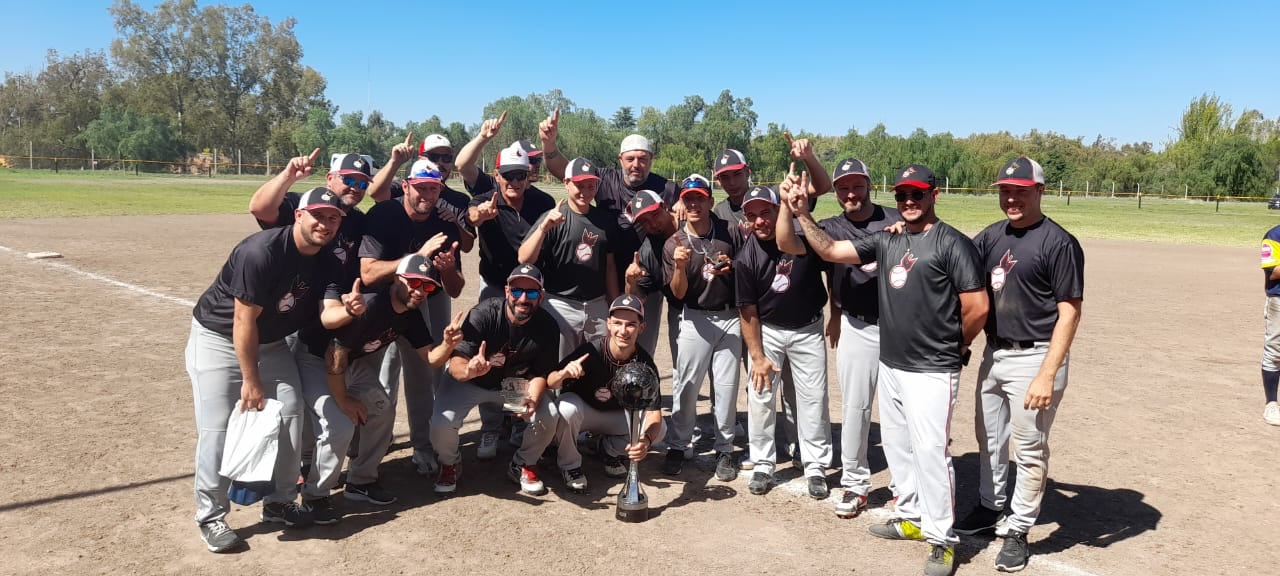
point(1123, 70)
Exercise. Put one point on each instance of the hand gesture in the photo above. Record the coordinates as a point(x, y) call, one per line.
point(491, 126)
point(634, 271)
point(833, 328)
point(485, 211)
point(1039, 394)
point(530, 407)
point(251, 396)
point(446, 260)
point(479, 364)
point(300, 167)
point(682, 253)
point(403, 152)
point(724, 265)
point(762, 372)
point(353, 408)
point(678, 211)
point(353, 301)
point(452, 334)
point(573, 370)
point(800, 149)
point(433, 245)
point(897, 227)
point(548, 129)
point(555, 218)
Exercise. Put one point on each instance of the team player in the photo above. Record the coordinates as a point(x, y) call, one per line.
point(339, 366)
point(267, 289)
point(644, 275)
point(780, 297)
point(573, 245)
point(1036, 290)
point(698, 267)
point(932, 305)
point(1271, 339)
point(852, 327)
point(507, 337)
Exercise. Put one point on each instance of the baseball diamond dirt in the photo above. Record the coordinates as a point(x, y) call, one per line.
point(1161, 464)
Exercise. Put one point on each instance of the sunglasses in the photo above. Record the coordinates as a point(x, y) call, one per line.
point(422, 284)
point(532, 293)
point(535, 160)
point(516, 175)
point(355, 182)
point(439, 158)
point(915, 195)
point(695, 184)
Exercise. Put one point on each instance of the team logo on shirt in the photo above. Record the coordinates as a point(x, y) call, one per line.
point(382, 340)
point(869, 268)
point(898, 274)
point(586, 248)
point(603, 394)
point(290, 299)
point(782, 276)
point(1001, 272)
point(744, 227)
point(497, 360)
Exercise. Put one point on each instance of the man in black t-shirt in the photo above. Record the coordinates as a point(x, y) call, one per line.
point(780, 297)
point(1036, 289)
point(507, 342)
point(573, 244)
point(268, 288)
point(585, 403)
point(932, 305)
point(339, 361)
point(644, 275)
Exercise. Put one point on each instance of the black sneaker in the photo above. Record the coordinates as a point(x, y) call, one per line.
point(818, 488)
point(288, 513)
point(760, 482)
point(1013, 555)
point(371, 493)
point(726, 468)
point(674, 463)
point(979, 520)
point(322, 511)
point(219, 537)
point(615, 466)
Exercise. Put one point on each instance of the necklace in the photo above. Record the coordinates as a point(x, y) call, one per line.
point(608, 355)
point(706, 244)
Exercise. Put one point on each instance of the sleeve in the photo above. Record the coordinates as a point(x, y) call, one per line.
point(379, 238)
point(284, 212)
point(1067, 266)
point(744, 276)
point(454, 214)
point(479, 198)
point(651, 263)
point(251, 275)
point(1271, 249)
point(965, 268)
point(483, 184)
point(868, 247)
point(333, 290)
point(549, 336)
point(414, 329)
point(823, 265)
point(668, 259)
point(473, 331)
point(670, 193)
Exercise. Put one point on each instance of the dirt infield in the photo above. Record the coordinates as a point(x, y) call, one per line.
point(1161, 463)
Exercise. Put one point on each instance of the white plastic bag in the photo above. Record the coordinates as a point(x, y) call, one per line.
point(249, 454)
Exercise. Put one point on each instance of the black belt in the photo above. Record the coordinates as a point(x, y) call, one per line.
point(869, 319)
point(1002, 344)
point(724, 308)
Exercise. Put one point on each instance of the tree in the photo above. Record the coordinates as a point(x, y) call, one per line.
point(162, 46)
point(121, 134)
point(623, 120)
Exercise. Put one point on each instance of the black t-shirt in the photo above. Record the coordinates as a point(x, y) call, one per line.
point(598, 371)
point(705, 291)
point(1031, 270)
point(920, 277)
point(500, 238)
point(267, 270)
point(379, 326)
point(651, 262)
point(732, 213)
point(853, 287)
point(786, 289)
point(345, 245)
point(574, 254)
point(391, 233)
point(525, 351)
point(613, 194)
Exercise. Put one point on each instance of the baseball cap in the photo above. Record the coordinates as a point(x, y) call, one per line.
point(729, 159)
point(644, 201)
point(760, 193)
point(526, 271)
point(916, 176)
point(423, 170)
point(418, 266)
point(320, 199)
point(432, 142)
point(695, 183)
point(353, 164)
point(528, 148)
point(635, 142)
point(1021, 171)
point(373, 164)
point(580, 169)
point(850, 167)
point(512, 158)
point(627, 302)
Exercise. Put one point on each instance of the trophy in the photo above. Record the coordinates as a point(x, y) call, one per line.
point(513, 394)
point(635, 386)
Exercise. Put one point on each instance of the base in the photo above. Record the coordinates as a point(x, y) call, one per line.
point(633, 512)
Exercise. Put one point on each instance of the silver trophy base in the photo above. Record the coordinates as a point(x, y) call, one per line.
point(633, 512)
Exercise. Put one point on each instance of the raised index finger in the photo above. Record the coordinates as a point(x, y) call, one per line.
point(502, 118)
point(583, 358)
point(555, 117)
point(408, 139)
point(312, 158)
point(790, 140)
point(355, 288)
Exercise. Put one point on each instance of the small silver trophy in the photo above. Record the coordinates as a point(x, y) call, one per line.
point(636, 387)
point(513, 393)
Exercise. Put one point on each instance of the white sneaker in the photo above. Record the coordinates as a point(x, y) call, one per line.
point(488, 449)
point(1271, 414)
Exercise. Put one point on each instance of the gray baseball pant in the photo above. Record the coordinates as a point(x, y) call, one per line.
point(215, 388)
point(420, 380)
point(857, 367)
point(334, 430)
point(456, 399)
point(579, 320)
point(491, 417)
point(1003, 380)
point(577, 416)
point(806, 352)
point(1271, 337)
point(915, 421)
point(707, 342)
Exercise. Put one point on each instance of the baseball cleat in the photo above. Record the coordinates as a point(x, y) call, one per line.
point(371, 493)
point(896, 530)
point(615, 466)
point(575, 480)
point(447, 481)
point(219, 537)
point(527, 478)
point(851, 504)
point(290, 514)
point(1013, 554)
point(726, 468)
point(941, 561)
point(818, 488)
point(322, 511)
point(760, 483)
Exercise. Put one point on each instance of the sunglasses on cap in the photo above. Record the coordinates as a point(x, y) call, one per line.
point(516, 175)
point(695, 184)
point(422, 284)
point(915, 195)
point(439, 158)
point(532, 293)
point(355, 182)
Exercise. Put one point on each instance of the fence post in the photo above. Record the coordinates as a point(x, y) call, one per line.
point(1059, 188)
point(239, 166)
point(135, 168)
point(1217, 203)
point(1139, 195)
point(55, 164)
point(1185, 190)
point(269, 162)
point(1113, 188)
point(1086, 188)
point(93, 162)
point(31, 156)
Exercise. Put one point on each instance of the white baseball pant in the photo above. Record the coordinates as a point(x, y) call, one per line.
point(857, 368)
point(806, 352)
point(915, 425)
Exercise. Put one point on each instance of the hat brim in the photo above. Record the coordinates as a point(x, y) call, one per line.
point(581, 177)
point(1016, 182)
point(638, 311)
point(728, 168)
point(316, 207)
point(412, 181)
point(633, 216)
point(702, 191)
point(350, 172)
point(513, 168)
point(758, 199)
point(517, 276)
point(848, 174)
point(914, 184)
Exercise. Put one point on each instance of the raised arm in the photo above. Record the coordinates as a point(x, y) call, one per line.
point(380, 189)
point(802, 150)
point(785, 232)
point(531, 248)
point(830, 250)
point(265, 203)
point(466, 160)
point(551, 156)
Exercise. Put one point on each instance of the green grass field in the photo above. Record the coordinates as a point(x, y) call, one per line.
point(41, 194)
